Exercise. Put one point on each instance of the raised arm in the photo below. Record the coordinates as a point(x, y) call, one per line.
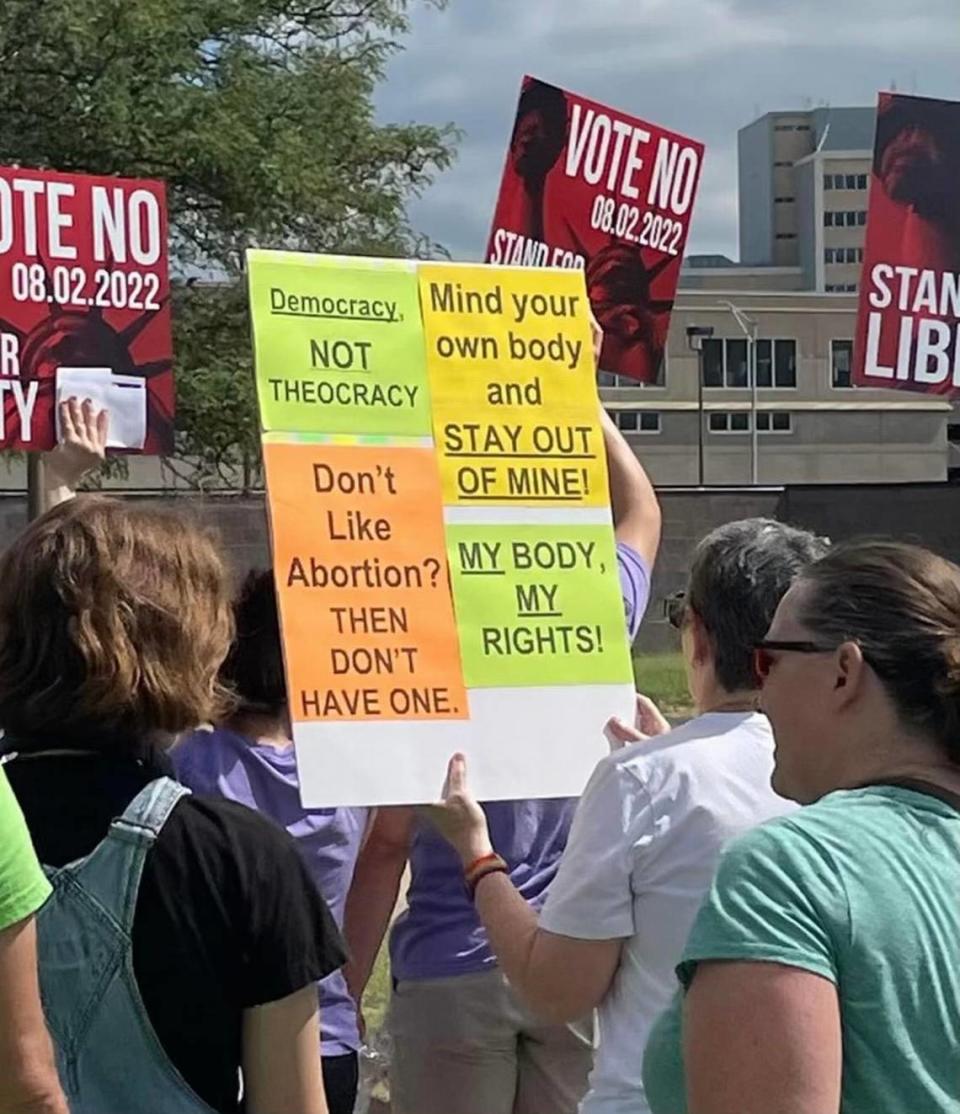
point(82, 448)
point(529, 956)
point(636, 509)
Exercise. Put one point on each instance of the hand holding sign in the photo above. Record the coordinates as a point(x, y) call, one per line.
point(458, 817)
point(83, 442)
point(648, 723)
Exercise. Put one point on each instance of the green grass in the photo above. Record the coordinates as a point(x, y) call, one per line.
point(377, 994)
point(663, 679)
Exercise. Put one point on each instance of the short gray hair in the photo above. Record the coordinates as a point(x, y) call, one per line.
point(738, 575)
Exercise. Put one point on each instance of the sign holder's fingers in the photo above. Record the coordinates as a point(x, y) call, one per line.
point(69, 420)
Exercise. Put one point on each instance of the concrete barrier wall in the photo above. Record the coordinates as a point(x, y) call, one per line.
point(925, 513)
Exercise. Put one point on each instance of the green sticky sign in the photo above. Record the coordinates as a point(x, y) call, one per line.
point(338, 344)
point(538, 605)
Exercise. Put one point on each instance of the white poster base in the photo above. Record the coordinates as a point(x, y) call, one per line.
point(520, 743)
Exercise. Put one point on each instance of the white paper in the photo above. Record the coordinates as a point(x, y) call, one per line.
point(124, 397)
point(520, 743)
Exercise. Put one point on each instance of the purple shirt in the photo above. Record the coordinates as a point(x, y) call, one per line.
point(440, 934)
point(222, 764)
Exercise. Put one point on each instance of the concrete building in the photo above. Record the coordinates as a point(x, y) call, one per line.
point(806, 423)
point(803, 190)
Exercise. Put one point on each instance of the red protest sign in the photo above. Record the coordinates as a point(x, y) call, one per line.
point(908, 329)
point(85, 293)
point(586, 186)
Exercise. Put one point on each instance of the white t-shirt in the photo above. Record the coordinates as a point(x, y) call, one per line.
point(641, 855)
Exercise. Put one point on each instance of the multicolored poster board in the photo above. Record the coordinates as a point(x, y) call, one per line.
point(442, 539)
point(86, 306)
point(589, 187)
point(908, 329)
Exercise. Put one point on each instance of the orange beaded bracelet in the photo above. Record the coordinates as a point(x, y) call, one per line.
point(481, 867)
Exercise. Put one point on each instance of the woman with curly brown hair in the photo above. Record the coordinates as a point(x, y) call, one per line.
point(184, 937)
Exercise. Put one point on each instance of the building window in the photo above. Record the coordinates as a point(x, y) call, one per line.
point(738, 421)
point(828, 181)
point(726, 363)
point(609, 380)
point(725, 421)
point(841, 364)
point(843, 255)
point(785, 200)
point(774, 421)
point(785, 363)
point(845, 218)
point(737, 369)
point(777, 363)
point(861, 181)
point(636, 421)
point(712, 363)
point(851, 182)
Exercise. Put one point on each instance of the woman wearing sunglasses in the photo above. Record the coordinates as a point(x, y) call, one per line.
point(823, 971)
point(650, 826)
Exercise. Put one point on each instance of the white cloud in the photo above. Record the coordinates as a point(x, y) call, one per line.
point(702, 67)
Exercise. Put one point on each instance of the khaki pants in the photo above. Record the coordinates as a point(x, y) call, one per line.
point(466, 1045)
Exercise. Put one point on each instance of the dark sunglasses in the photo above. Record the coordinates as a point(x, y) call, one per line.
point(674, 609)
point(763, 653)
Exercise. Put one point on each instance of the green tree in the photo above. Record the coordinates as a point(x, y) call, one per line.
point(259, 116)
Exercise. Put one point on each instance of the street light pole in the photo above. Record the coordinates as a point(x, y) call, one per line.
point(34, 485)
point(750, 329)
point(696, 335)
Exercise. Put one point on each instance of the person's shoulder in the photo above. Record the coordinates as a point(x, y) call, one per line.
point(203, 746)
point(807, 841)
point(706, 740)
point(218, 824)
point(834, 830)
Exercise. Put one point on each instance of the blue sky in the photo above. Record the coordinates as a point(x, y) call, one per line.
point(701, 67)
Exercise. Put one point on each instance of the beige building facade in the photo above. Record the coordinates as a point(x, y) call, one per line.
point(804, 424)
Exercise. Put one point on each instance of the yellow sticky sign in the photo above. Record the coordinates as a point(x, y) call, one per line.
point(338, 344)
point(511, 371)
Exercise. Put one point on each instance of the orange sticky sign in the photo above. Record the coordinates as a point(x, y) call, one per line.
point(360, 563)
